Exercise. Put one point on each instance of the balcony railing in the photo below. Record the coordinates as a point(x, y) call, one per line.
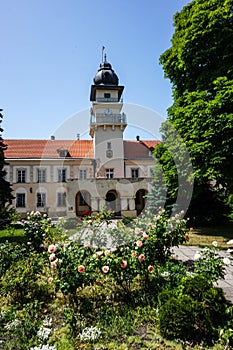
point(113, 119)
point(106, 99)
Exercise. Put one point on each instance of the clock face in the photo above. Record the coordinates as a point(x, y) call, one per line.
point(108, 111)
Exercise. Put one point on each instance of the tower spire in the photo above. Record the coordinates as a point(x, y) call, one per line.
point(103, 48)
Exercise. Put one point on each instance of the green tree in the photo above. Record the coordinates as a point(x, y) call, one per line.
point(199, 66)
point(5, 187)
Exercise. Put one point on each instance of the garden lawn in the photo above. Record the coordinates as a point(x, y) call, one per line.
point(12, 235)
point(204, 236)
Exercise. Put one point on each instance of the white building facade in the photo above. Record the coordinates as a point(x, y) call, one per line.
point(76, 177)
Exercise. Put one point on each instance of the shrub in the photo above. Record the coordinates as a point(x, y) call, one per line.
point(38, 230)
point(9, 254)
point(194, 311)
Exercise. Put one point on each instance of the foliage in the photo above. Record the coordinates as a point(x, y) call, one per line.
point(20, 281)
point(194, 311)
point(10, 253)
point(137, 254)
point(208, 263)
point(5, 187)
point(202, 111)
point(87, 296)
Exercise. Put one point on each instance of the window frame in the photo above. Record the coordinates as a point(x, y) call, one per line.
point(109, 173)
point(61, 199)
point(22, 202)
point(134, 173)
point(61, 175)
point(21, 176)
point(41, 199)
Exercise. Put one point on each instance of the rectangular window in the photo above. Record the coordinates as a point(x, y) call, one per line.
point(61, 175)
point(82, 174)
point(61, 199)
point(41, 200)
point(20, 200)
point(21, 176)
point(134, 173)
point(107, 95)
point(41, 175)
point(109, 145)
point(109, 173)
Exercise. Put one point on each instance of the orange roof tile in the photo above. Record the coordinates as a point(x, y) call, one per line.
point(151, 144)
point(138, 149)
point(47, 149)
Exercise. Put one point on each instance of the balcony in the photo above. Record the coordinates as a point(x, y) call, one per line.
point(112, 119)
point(104, 99)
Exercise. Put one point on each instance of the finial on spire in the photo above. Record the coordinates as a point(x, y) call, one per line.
point(103, 48)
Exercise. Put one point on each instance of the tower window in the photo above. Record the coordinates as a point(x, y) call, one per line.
point(107, 95)
point(134, 173)
point(109, 173)
point(20, 200)
point(109, 145)
point(82, 174)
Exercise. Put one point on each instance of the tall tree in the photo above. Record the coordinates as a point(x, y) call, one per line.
point(199, 66)
point(5, 187)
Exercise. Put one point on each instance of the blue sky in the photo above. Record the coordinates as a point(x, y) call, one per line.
point(51, 50)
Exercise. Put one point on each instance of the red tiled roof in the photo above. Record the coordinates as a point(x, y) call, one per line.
point(151, 144)
point(138, 149)
point(47, 149)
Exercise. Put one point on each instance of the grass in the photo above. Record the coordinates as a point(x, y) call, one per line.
point(204, 236)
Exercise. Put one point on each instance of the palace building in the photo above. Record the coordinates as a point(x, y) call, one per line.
point(74, 177)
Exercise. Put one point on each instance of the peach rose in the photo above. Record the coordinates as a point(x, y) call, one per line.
point(105, 269)
point(124, 264)
point(52, 257)
point(133, 255)
point(141, 257)
point(52, 248)
point(53, 264)
point(107, 252)
point(81, 268)
point(50, 279)
point(150, 268)
point(144, 236)
point(139, 243)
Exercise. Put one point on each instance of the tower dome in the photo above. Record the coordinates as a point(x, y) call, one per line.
point(106, 75)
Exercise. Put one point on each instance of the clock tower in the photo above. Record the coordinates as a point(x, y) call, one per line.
point(107, 122)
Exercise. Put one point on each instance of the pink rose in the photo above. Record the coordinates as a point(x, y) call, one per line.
point(105, 269)
point(133, 255)
point(139, 243)
point(137, 230)
point(144, 236)
point(53, 264)
point(124, 264)
point(150, 268)
point(141, 257)
point(52, 248)
point(52, 257)
point(81, 268)
point(50, 279)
